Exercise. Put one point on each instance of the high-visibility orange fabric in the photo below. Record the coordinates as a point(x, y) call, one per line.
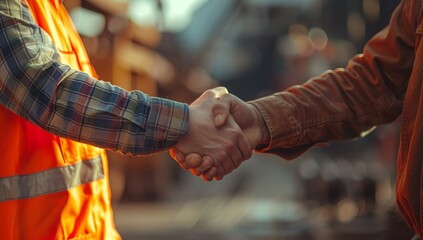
point(82, 212)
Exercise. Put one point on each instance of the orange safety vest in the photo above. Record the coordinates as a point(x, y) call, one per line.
point(51, 187)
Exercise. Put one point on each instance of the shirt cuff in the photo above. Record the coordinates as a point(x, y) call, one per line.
point(283, 128)
point(169, 119)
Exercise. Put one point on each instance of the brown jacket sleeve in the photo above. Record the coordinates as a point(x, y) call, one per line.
point(345, 103)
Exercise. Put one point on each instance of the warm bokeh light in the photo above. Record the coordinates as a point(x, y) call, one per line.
point(318, 38)
point(178, 48)
point(371, 9)
point(346, 210)
point(176, 14)
point(356, 27)
point(88, 23)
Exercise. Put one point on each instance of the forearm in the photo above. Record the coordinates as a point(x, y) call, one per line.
point(71, 104)
point(320, 111)
point(344, 103)
point(109, 116)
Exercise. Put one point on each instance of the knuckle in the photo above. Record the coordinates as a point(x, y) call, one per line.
point(208, 93)
point(221, 156)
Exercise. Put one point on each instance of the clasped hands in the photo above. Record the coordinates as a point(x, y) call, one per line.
point(223, 131)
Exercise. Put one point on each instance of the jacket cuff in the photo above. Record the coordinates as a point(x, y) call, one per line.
point(283, 127)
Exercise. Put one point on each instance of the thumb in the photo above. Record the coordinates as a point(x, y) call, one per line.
point(221, 112)
point(227, 105)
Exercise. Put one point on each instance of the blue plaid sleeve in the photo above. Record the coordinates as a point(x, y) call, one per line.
point(72, 104)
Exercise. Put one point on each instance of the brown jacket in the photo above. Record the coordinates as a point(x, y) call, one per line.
point(375, 88)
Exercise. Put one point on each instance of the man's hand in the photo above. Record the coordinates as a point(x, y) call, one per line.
point(246, 115)
point(248, 118)
point(198, 166)
point(225, 146)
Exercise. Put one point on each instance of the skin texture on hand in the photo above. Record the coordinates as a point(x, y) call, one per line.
point(248, 118)
point(226, 147)
point(198, 166)
point(246, 115)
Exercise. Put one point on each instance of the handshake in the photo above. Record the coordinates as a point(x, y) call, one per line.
point(223, 132)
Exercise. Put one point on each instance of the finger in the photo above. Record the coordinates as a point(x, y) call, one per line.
point(236, 159)
point(221, 112)
point(220, 173)
point(244, 147)
point(206, 164)
point(228, 164)
point(192, 170)
point(214, 93)
point(192, 160)
point(242, 150)
point(209, 174)
point(177, 155)
point(218, 178)
point(225, 106)
point(219, 91)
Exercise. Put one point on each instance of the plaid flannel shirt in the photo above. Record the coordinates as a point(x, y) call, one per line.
point(35, 85)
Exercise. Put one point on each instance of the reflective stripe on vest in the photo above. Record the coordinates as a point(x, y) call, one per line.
point(51, 180)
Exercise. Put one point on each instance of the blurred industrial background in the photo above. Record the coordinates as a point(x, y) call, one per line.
point(179, 48)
